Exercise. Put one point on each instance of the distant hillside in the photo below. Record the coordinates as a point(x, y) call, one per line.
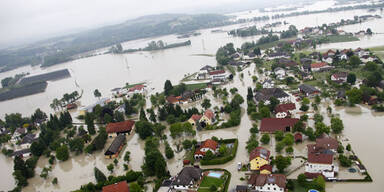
point(58, 50)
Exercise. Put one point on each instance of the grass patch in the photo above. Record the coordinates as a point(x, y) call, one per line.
point(132, 85)
point(231, 69)
point(192, 87)
point(273, 44)
point(341, 38)
point(189, 77)
point(379, 48)
point(208, 182)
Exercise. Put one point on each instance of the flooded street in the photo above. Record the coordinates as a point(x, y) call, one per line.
point(104, 72)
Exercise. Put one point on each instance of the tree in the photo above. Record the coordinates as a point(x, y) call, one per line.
point(289, 150)
point(369, 31)
point(282, 162)
point(302, 179)
point(187, 144)
point(168, 151)
point(265, 139)
point(5, 81)
point(76, 145)
point(37, 148)
point(110, 167)
point(134, 187)
point(97, 93)
point(143, 117)
point(279, 135)
point(250, 94)
point(167, 87)
point(144, 129)
point(355, 96)
point(90, 124)
point(62, 153)
point(54, 181)
point(108, 118)
point(252, 143)
point(100, 177)
point(354, 61)
point(337, 125)
point(119, 116)
point(154, 164)
point(344, 161)
point(265, 112)
point(348, 147)
point(127, 156)
point(206, 104)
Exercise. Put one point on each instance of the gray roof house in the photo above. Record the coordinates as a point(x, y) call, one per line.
point(187, 178)
point(267, 93)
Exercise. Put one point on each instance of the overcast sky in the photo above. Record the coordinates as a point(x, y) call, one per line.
point(26, 20)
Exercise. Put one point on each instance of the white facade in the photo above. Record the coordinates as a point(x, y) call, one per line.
point(281, 99)
point(328, 60)
point(281, 115)
point(333, 78)
point(221, 76)
point(328, 170)
point(280, 73)
point(268, 84)
point(269, 188)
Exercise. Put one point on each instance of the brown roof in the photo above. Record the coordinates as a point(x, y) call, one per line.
point(285, 107)
point(261, 180)
point(340, 75)
point(276, 124)
point(209, 143)
point(318, 65)
point(196, 117)
point(216, 72)
point(298, 136)
point(120, 126)
point(266, 167)
point(315, 155)
point(172, 99)
point(136, 87)
point(313, 175)
point(117, 187)
point(327, 143)
point(208, 113)
point(259, 152)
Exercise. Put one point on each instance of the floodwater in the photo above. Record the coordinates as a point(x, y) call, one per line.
point(105, 72)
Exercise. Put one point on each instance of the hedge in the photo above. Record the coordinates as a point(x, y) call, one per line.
point(228, 179)
point(225, 159)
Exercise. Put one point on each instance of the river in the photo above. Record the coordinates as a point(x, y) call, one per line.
point(105, 72)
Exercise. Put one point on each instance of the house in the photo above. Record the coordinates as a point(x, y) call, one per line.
point(284, 110)
point(271, 125)
point(187, 179)
point(137, 89)
point(307, 61)
point(208, 118)
point(267, 93)
point(328, 60)
point(207, 145)
point(318, 67)
point(22, 153)
point(327, 142)
point(277, 55)
point(115, 147)
point(17, 134)
point(268, 83)
point(279, 72)
point(298, 137)
point(194, 120)
point(121, 186)
point(89, 109)
point(361, 52)
point(320, 163)
point(268, 183)
point(259, 157)
point(341, 94)
point(339, 77)
point(329, 53)
point(308, 90)
point(266, 169)
point(367, 58)
point(287, 62)
point(207, 68)
point(218, 74)
point(241, 188)
point(114, 129)
point(202, 74)
point(27, 141)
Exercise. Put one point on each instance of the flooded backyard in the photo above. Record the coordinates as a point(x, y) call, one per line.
point(104, 72)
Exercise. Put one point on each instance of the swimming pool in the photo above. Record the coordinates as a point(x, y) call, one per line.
point(215, 174)
point(313, 190)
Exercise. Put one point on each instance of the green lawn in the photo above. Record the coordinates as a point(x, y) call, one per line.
point(208, 182)
point(341, 38)
point(298, 188)
point(196, 86)
point(379, 48)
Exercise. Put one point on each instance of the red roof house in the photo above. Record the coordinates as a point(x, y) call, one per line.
point(136, 88)
point(120, 127)
point(267, 167)
point(272, 125)
point(121, 186)
point(318, 65)
point(259, 152)
point(327, 142)
point(207, 145)
point(216, 72)
point(209, 114)
point(298, 137)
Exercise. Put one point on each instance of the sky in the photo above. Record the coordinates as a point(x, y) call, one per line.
point(22, 21)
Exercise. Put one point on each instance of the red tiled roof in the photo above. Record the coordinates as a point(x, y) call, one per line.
point(285, 107)
point(117, 187)
point(209, 143)
point(318, 65)
point(208, 113)
point(172, 99)
point(196, 117)
point(340, 75)
point(298, 136)
point(259, 152)
point(136, 87)
point(260, 180)
point(216, 72)
point(276, 124)
point(266, 167)
point(313, 175)
point(120, 126)
point(327, 143)
point(316, 156)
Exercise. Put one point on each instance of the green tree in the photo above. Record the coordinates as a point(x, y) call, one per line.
point(354, 61)
point(279, 135)
point(337, 125)
point(349, 148)
point(99, 175)
point(351, 78)
point(127, 156)
point(168, 151)
point(143, 117)
point(355, 96)
point(55, 181)
point(90, 124)
point(97, 93)
point(134, 187)
point(250, 94)
point(206, 103)
point(62, 153)
point(144, 129)
point(265, 139)
point(289, 150)
point(167, 87)
point(108, 118)
point(187, 144)
point(282, 162)
point(110, 167)
point(265, 112)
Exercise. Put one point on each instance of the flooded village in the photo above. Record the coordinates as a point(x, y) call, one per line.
point(290, 104)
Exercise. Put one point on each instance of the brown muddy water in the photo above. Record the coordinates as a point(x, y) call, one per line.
point(105, 72)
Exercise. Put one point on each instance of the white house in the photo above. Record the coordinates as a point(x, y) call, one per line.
point(207, 145)
point(339, 77)
point(269, 83)
point(320, 162)
point(280, 73)
point(329, 60)
point(267, 182)
point(218, 74)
